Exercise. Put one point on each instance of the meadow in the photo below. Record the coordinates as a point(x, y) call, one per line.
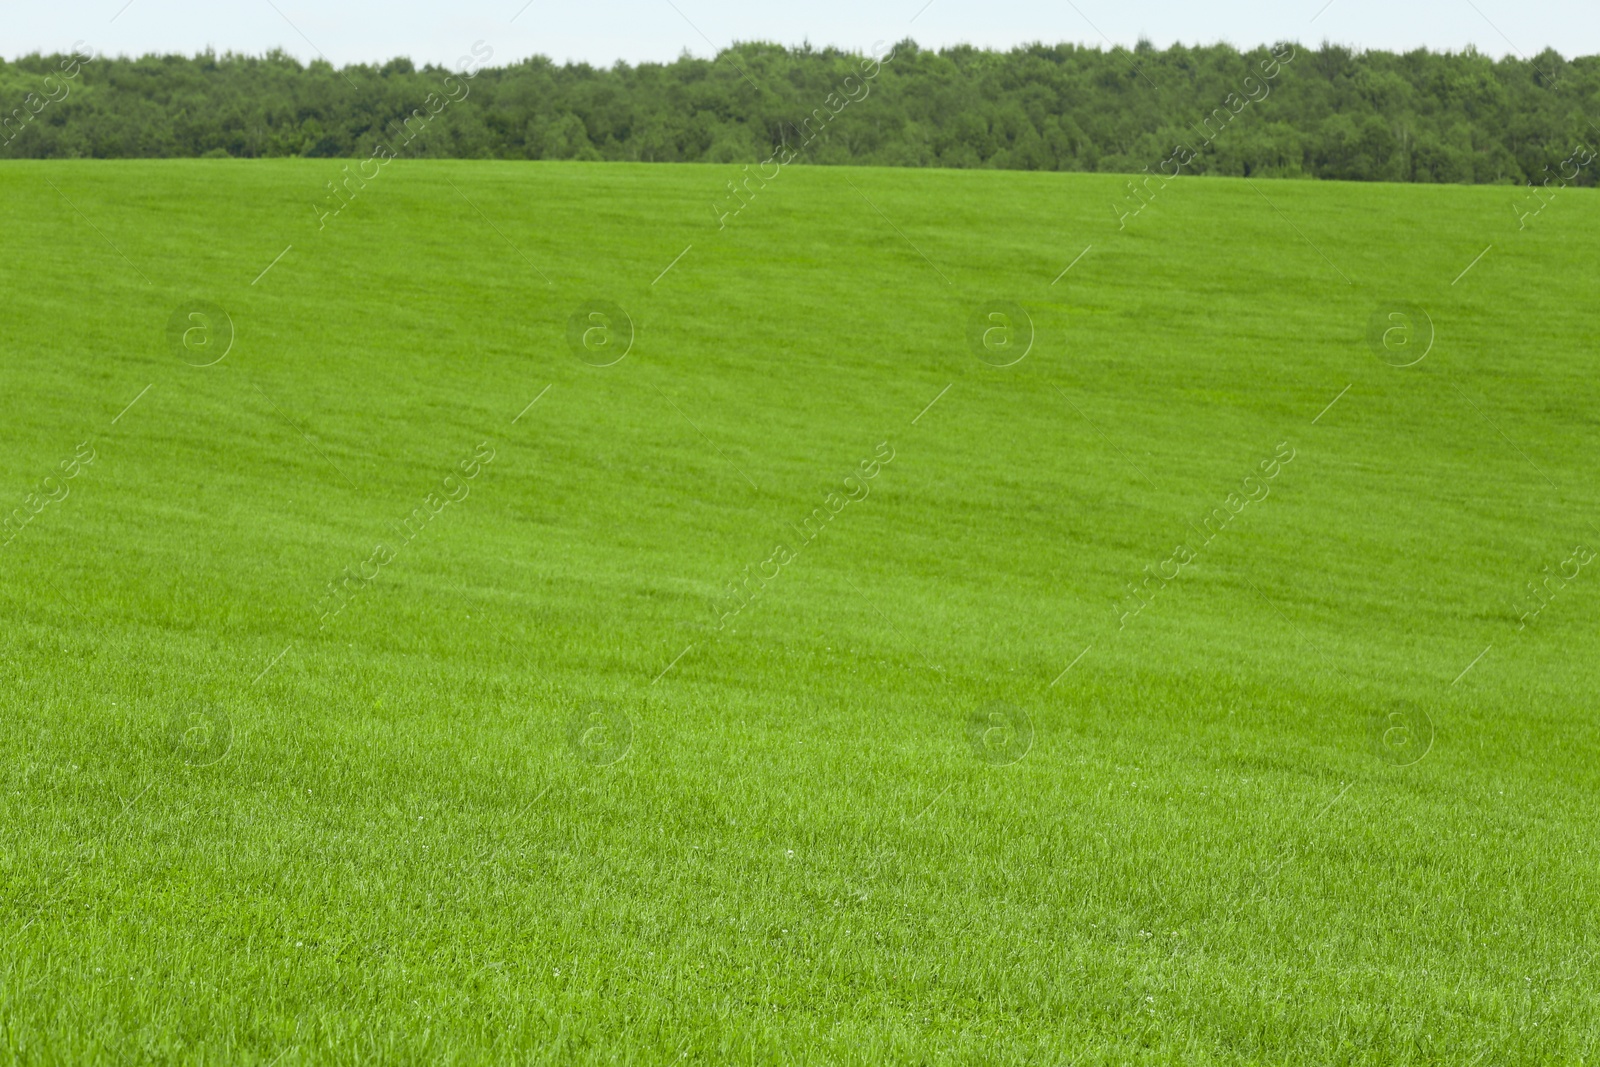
point(530, 615)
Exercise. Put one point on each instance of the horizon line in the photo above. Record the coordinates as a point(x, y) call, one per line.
point(1143, 46)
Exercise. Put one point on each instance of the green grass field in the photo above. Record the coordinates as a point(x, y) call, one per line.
point(357, 711)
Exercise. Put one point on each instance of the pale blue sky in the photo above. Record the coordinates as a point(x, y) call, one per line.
point(603, 31)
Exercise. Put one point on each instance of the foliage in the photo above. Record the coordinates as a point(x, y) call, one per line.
point(1333, 113)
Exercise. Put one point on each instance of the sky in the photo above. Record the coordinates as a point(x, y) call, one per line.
point(602, 32)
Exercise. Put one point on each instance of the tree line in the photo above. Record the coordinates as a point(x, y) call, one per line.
point(1329, 112)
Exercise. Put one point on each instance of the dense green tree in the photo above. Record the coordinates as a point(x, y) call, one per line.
point(1286, 111)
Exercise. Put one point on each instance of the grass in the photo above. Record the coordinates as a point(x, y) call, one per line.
point(530, 790)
